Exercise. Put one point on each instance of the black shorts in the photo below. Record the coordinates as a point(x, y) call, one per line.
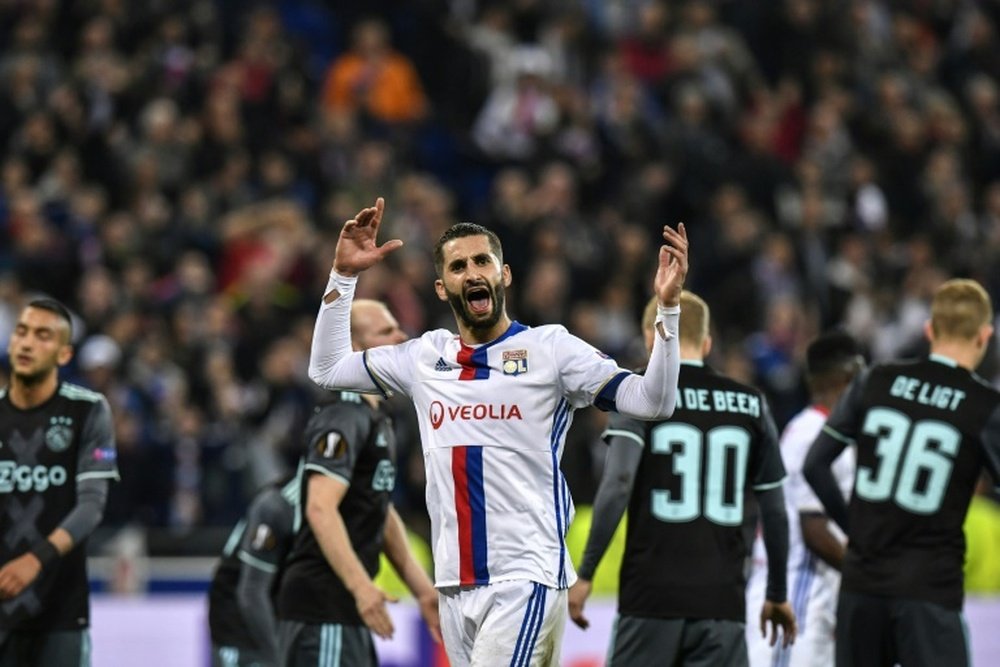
point(873, 631)
point(693, 642)
point(62, 648)
point(307, 645)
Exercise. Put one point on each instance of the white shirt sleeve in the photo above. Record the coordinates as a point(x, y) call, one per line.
point(654, 395)
point(794, 448)
point(332, 362)
point(585, 372)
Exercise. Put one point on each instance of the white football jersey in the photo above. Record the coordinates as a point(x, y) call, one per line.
point(493, 422)
point(812, 584)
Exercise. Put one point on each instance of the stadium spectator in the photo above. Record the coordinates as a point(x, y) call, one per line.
point(131, 131)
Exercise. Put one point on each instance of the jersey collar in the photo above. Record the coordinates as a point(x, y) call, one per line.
point(941, 359)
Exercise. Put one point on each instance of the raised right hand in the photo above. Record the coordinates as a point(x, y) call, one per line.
point(356, 247)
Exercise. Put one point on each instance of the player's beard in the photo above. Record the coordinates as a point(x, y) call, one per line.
point(32, 378)
point(461, 308)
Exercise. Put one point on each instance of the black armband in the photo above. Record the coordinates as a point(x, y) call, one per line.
point(45, 552)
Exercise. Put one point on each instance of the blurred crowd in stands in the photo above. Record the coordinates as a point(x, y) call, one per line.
point(177, 172)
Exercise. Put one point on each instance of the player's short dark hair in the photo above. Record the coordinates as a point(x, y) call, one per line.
point(461, 230)
point(54, 306)
point(832, 351)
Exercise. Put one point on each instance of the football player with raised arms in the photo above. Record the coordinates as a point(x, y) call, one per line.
point(494, 404)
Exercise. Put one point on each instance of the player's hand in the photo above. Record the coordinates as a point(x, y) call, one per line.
point(370, 601)
point(578, 594)
point(429, 610)
point(673, 266)
point(778, 614)
point(17, 574)
point(356, 247)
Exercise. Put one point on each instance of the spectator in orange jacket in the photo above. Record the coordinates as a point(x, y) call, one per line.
point(374, 78)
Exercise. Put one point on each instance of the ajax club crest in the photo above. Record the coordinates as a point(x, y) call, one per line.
point(515, 362)
point(59, 434)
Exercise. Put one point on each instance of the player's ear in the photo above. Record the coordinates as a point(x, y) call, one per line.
point(928, 331)
point(706, 346)
point(506, 275)
point(64, 355)
point(439, 288)
point(985, 334)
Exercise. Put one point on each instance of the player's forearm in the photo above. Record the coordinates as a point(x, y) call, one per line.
point(91, 498)
point(774, 524)
point(332, 362)
point(817, 537)
point(397, 550)
point(253, 595)
point(331, 534)
point(50, 549)
point(653, 395)
point(612, 498)
point(818, 472)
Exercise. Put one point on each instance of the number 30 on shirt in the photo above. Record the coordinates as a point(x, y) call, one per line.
point(725, 466)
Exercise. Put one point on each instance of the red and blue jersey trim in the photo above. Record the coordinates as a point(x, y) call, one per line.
point(475, 361)
point(470, 509)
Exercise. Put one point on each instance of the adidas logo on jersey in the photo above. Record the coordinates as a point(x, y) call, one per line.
point(442, 365)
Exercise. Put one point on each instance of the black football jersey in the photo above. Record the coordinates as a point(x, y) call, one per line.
point(44, 452)
point(353, 442)
point(261, 540)
point(923, 432)
point(686, 546)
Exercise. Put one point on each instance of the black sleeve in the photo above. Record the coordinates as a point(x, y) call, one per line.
point(817, 471)
point(334, 437)
point(768, 470)
point(774, 521)
point(98, 457)
point(615, 489)
point(990, 437)
point(268, 533)
point(839, 431)
point(254, 599)
point(265, 543)
point(91, 497)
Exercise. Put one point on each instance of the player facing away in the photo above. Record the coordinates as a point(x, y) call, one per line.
point(57, 455)
point(241, 618)
point(816, 546)
point(494, 404)
point(685, 482)
point(922, 432)
point(345, 519)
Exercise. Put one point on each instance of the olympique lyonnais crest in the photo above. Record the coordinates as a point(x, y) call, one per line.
point(515, 362)
point(59, 434)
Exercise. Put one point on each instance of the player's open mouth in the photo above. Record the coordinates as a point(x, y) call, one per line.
point(478, 299)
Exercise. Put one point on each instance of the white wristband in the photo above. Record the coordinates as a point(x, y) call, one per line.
point(342, 285)
point(662, 311)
